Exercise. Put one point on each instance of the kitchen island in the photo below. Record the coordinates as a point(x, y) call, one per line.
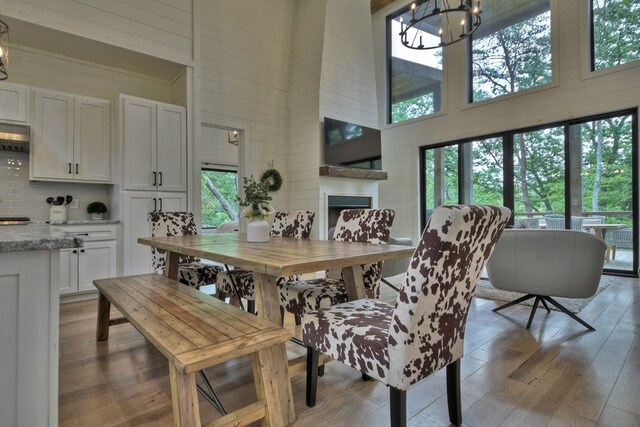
point(29, 313)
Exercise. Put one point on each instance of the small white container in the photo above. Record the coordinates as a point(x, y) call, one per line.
point(58, 213)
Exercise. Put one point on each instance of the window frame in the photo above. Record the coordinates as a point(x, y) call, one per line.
point(591, 48)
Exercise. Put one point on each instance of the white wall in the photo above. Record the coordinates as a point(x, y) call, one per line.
point(161, 28)
point(215, 148)
point(575, 93)
point(244, 77)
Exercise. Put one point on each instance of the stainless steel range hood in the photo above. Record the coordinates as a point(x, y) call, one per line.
point(14, 138)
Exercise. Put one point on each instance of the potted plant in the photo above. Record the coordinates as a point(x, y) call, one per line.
point(257, 209)
point(96, 209)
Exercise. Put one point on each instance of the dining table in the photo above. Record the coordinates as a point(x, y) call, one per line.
point(600, 230)
point(278, 257)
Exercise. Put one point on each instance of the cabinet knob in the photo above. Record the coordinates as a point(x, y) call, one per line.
point(75, 251)
point(82, 250)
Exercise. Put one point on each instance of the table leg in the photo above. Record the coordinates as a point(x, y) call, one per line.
point(184, 398)
point(172, 262)
point(269, 381)
point(268, 307)
point(353, 282)
point(104, 310)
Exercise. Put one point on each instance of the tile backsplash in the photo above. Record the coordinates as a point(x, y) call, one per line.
point(20, 197)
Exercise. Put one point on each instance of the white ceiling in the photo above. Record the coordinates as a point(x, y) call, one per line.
point(37, 37)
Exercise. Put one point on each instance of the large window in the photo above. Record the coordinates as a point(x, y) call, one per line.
point(577, 175)
point(219, 196)
point(511, 50)
point(415, 76)
point(615, 31)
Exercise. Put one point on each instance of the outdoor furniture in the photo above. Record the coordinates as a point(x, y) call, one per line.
point(354, 225)
point(602, 231)
point(529, 223)
point(423, 332)
point(195, 331)
point(296, 224)
point(280, 256)
point(557, 223)
point(547, 263)
point(192, 270)
point(619, 238)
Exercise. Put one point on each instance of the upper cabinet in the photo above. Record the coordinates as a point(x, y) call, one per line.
point(155, 145)
point(71, 138)
point(14, 102)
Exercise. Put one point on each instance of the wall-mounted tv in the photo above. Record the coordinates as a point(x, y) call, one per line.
point(350, 144)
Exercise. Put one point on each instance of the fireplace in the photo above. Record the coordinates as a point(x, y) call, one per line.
point(335, 204)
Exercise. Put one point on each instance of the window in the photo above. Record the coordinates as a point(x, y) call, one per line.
point(511, 50)
point(415, 76)
point(219, 196)
point(577, 175)
point(615, 33)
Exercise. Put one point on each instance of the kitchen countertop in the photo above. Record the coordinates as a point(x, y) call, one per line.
point(83, 222)
point(34, 237)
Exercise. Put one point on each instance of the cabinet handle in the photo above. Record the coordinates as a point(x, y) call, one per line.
point(160, 203)
point(69, 167)
point(81, 250)
point(75, 251)
point(155, 204)
point(160, 173)
point(155, 176)
point(76, 169)
point(82, 234)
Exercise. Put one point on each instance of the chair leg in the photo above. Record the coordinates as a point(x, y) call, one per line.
point(570, 314)
point(514, 302)
point(453, 393)
point(298, 320)
point(544, 303)
point(312, 376)
point(251, 307)
point(533, 311)
point(398, 407)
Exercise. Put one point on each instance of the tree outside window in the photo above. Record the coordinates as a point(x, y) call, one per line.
point(219, 197)
point(615, 26)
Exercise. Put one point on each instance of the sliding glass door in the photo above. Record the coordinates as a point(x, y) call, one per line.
point(579, 175)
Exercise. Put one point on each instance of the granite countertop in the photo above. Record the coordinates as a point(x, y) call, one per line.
point(33, 237)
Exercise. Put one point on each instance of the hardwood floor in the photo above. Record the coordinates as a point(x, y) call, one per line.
point(555, 374)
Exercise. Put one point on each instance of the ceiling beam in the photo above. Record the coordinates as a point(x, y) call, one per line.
point(376, 5)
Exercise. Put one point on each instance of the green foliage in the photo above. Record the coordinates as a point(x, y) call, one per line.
point(419, 106)
point(616, 32)
point(213, 213)
point(96, 207)
point(256, 199)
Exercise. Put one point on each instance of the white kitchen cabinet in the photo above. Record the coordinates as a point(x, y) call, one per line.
point(97, 259)
point(14, 102)
point(154, 144)
point(71, 138)
point(136, 206)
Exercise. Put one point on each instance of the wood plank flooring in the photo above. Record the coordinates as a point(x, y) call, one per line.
point(555, 374)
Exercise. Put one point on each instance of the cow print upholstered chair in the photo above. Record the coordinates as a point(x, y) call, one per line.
point(424, 331)
point(192, 271)
point(295, 224)
point(354, 225)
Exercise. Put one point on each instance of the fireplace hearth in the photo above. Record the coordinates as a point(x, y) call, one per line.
point(335, 205)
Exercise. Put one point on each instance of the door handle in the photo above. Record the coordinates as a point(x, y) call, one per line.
point(160, 173)
point(69, 167)
point(76, 169)
point(155, 176)
point(81, 250)
point(155, 204)
point(160, 203)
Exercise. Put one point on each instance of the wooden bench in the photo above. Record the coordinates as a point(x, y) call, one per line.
point(195, 331)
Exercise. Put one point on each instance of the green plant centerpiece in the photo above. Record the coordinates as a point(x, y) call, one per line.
point(96, 209)
point(256, 209)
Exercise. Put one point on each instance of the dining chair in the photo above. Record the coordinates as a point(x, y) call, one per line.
point(237, 282)
point(354, 225)
point(191, 271)
point(423, 331)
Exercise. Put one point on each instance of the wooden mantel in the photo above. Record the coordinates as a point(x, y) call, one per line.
point(346, 172)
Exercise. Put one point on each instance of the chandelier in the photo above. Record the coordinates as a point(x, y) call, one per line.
point(434, 24)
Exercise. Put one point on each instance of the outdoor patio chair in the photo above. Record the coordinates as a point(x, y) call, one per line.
point(528, 223)
point(423, 331)
point(621, 238)
point(191, 271)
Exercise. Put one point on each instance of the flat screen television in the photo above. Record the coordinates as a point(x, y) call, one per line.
point(353, 145)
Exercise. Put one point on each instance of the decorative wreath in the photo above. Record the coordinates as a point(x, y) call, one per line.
point(272, 179)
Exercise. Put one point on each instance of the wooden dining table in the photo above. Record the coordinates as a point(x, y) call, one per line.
point(280, 256)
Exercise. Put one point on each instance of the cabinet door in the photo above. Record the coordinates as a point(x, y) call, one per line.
point(92, 140)
point(172, 148)
point(136, 206)
point(68, 271)
point(139, 139)
point(13, 102)
point(172, 202)
point(96, 260)
point(52, 149)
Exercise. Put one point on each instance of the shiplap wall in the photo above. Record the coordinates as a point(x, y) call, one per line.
point(575, 93)
point(245, 64)
point(161, 28)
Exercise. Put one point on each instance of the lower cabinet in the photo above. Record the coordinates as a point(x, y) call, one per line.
point(136, 206)
point(80, 267)
point(97, 259)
